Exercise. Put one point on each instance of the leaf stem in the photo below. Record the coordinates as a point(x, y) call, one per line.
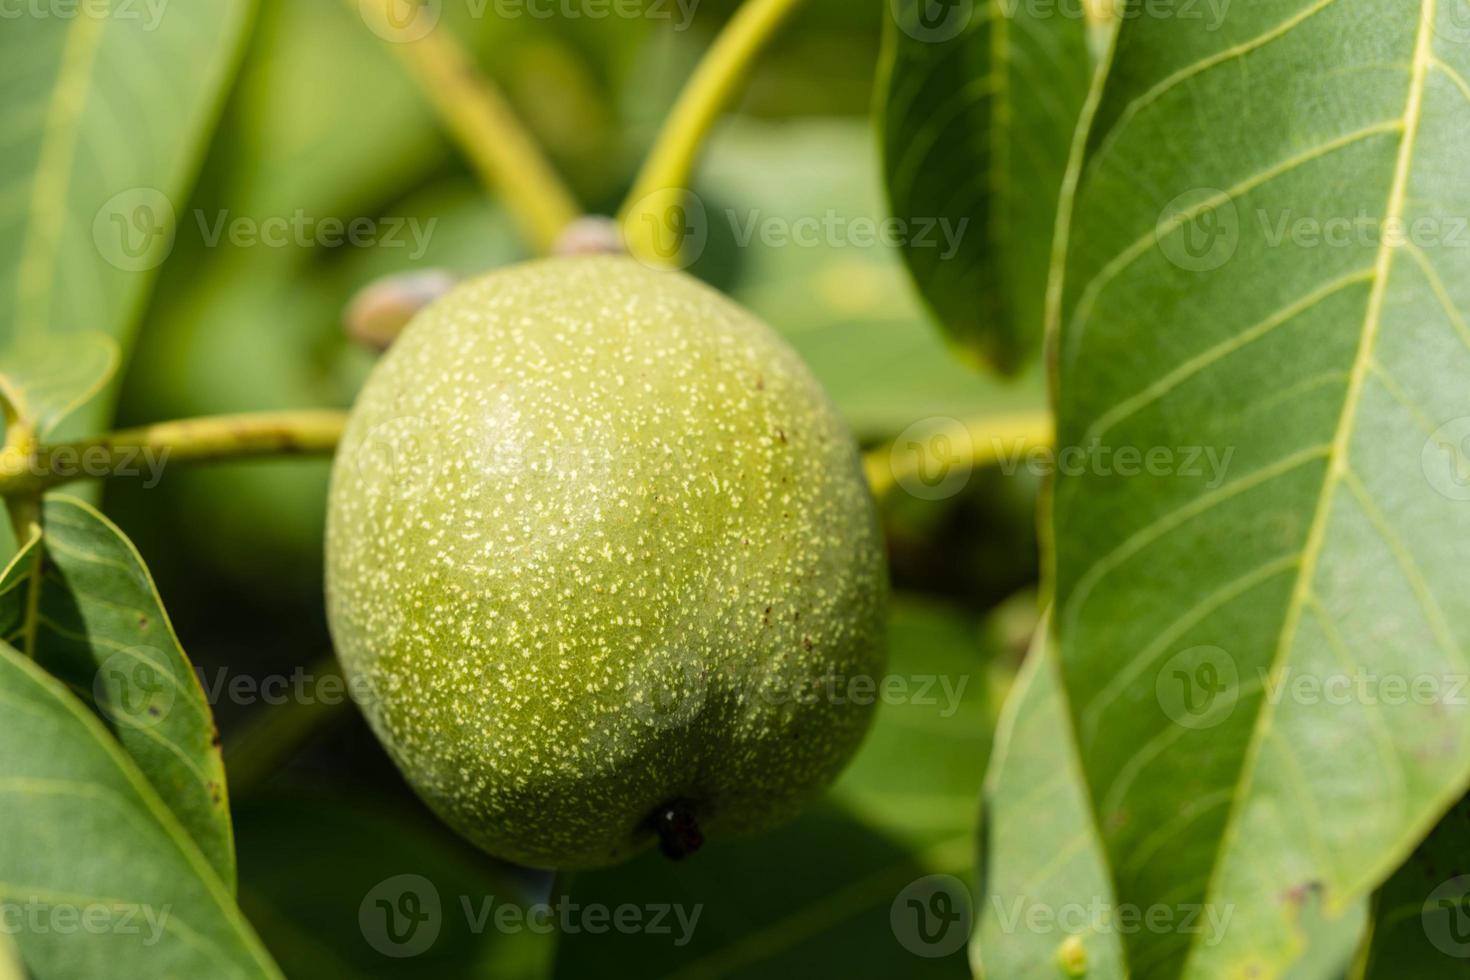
point(478, 116)
point(29, 471)
point(982, 441)
point(705, 96)
point(20, 441)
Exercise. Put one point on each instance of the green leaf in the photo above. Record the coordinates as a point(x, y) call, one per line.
point(828, 894)
point(109, 109)
point(314, 870)
point(45, 379)
point(1263, 288)
point(1421, 916)
point(1046, 899)
point(81, 602)
point(980, 103)
point(792, 214)
point(88, 842)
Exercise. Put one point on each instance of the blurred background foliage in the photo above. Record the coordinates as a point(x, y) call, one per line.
point(324, 122)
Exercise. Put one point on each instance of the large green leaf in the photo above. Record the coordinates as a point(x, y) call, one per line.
point(106, 109)
point(792, 214)
point(1265, 289)
point(1421, 917)
point(980, 106)
point(1046, 903)
point(92, 854)
point(89, 614)
point(830, 893)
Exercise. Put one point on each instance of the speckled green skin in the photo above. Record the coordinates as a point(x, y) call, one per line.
point(597, 540)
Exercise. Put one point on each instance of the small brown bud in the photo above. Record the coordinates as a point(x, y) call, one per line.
point(592, 235)
point(382, 308)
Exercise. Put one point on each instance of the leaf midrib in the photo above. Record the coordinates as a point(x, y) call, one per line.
point(1337, 458)
point(1424, 59)
point(1000, 127)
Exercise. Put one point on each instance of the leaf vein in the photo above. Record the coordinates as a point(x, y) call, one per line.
point(1114, 267)
point(1178, 77)
point(1146, 535)
point(1212, 355)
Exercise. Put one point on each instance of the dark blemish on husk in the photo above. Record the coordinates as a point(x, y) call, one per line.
point(678, 834)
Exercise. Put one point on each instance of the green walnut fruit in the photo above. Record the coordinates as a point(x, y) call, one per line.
point(601, 559)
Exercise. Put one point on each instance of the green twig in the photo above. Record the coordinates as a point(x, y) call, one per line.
point(712, 86)
point(480, 119)
point(984, 441)
point(27, 470)
point(275, 735)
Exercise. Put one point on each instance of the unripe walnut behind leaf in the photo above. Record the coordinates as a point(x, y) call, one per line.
point(600, 549)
